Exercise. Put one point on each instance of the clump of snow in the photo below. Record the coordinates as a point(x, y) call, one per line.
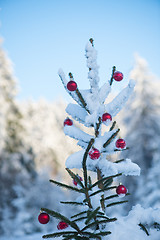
point(77, 112)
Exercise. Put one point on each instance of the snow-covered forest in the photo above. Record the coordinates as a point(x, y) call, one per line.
point(34, 148)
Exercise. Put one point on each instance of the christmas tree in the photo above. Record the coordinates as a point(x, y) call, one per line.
point(96, 187)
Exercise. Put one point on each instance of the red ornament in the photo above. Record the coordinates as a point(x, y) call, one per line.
point(43, 218)
point(121, 190)
point(94, 153)
point(62, 225)
point(75, 182)
point(68, 122)
point(71, 86)
point(106, 117)
point(118, 76)
point(120, 143)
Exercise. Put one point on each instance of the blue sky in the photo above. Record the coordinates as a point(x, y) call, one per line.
point(41, 36)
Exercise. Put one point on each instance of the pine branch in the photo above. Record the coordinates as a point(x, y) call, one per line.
point(84, 104)
point(72, 203)
point(113, 71)
point(58, 234)
point(111, 138)
point(103, 179)
point(113, 125)
point(85, 170)
point(67, 186)
point(143, 228)
point(89, 181)
point(98, 222)
point(82, 100)
point(116, 203)
point(75, 177)
point(92, 215)
point(98, 126)
point(61, 217)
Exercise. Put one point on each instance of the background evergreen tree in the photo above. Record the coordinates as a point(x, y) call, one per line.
point(142, 130)
point(16, 159)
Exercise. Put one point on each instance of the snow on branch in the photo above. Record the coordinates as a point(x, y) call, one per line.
point(64, 81)
point(104, 92)
point(78, 113)
point(77, 133)
point(91, 55)
point(118, 102)
point(126, 167)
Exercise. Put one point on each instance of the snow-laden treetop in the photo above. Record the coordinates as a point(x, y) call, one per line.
point(91, 106)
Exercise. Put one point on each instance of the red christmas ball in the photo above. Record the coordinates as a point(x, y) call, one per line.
point(75, 182)
point(106, 117)
point(94, 153)
point(118, 76)
point(43, 218)
point(71, 86)
point(121, 189)
point(120, 143)
point(68, 122)
point(62, 225)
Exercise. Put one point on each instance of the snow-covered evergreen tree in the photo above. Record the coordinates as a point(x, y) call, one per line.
point(16, 161)
point(142, 119)
point(11, 126)
point(97, 190)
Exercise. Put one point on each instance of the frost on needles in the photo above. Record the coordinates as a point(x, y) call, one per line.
point(97, 189)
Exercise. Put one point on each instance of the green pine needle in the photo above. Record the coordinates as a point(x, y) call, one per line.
point(72, 203)
point(59, 234)
point(118, 161)
point(80, 219)
point(75, 177)
point(104, 179)
point(143, 228)
point(99, 222)
point(111, 138)
point(104, 233)
point(78, 214)
point(116, 203)
point(67, 186)
point(92, 215)
point(111, 196)
point(108, 182)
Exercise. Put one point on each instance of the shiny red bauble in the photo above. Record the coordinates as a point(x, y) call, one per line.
point(118, 76)
point(75, 182)
point(121, 189)
point(43, 218)
point(106, 117)
point(68, 122)
point(120, 143)
point(94, 153)
point(71, 86)
point(62, 225)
